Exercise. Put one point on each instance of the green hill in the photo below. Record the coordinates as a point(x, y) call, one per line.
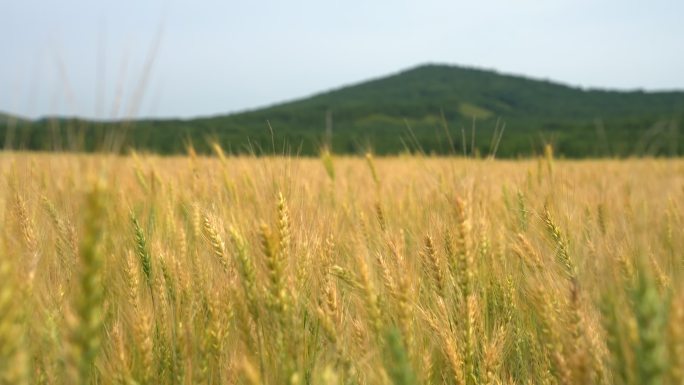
point(6, 119)
point(408, 111)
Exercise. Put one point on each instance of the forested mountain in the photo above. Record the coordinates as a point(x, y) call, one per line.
point(431, 108)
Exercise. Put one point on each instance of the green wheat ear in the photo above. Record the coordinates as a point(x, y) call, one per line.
point(14, 368)
point(650, 311)
point(142, 251)
point(327, 159)
point(397, 362)
point(371, 165)
point(87, 332)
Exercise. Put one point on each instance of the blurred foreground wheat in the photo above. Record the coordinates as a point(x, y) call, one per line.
point(148, 270)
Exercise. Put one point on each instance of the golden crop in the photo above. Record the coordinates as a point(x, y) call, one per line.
point(406, 270)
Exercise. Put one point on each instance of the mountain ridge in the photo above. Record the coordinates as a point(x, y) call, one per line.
point(378, 113)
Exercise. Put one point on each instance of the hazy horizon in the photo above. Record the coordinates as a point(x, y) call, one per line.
point(178, 60)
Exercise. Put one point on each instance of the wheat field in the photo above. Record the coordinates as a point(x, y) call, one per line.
point(340, 270)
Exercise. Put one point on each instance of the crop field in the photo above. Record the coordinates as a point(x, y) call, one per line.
point(340, 270)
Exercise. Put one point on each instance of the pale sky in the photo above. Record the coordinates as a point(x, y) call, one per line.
point(78, 57)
